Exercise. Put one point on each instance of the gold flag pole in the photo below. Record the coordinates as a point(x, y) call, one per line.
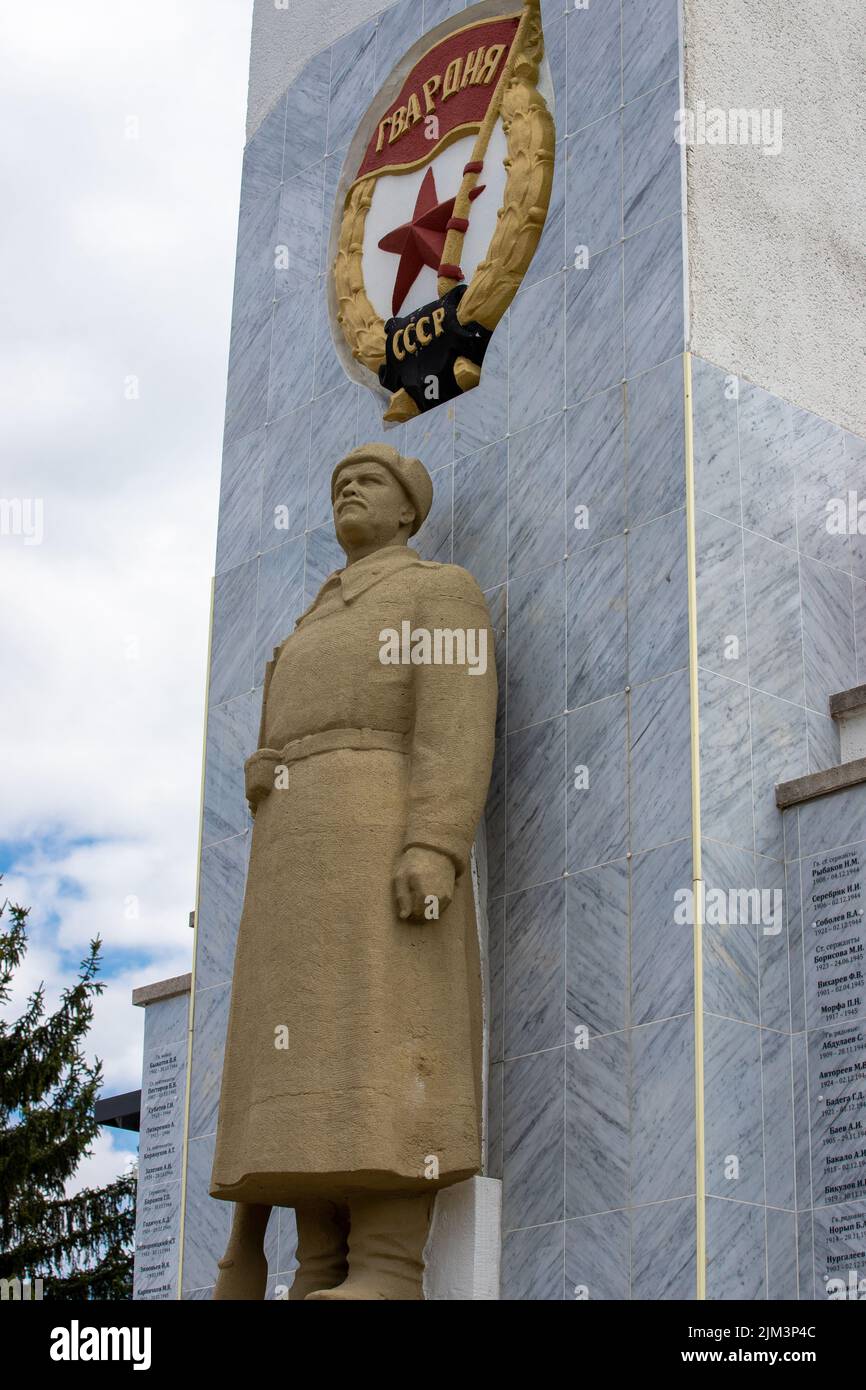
point(453, 248)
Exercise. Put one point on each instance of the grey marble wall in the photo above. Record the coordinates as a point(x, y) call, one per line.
point(781, 603)
point(560, 484)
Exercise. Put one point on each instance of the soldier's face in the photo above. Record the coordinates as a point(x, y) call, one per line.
point(370, 506)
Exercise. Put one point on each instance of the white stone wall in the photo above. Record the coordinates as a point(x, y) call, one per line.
point(776, 255)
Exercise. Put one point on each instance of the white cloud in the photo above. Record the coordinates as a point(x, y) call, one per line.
point(118, 257)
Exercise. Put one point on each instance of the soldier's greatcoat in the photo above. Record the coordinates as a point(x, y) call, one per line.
point(380, 1083)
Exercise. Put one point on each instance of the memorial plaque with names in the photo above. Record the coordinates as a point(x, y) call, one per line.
point(835, 940)
point(157, 1230)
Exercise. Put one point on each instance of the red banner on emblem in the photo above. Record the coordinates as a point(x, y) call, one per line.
point(448, 90)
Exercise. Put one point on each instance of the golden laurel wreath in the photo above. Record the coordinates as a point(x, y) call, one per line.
point(531, 140)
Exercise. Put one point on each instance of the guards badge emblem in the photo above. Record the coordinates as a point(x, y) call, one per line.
point(447, 187)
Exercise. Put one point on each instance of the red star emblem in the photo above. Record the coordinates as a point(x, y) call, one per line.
point(421, 241)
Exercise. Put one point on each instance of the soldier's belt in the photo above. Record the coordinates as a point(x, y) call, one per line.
point(261, 767)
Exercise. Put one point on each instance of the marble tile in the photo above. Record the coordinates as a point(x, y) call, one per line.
point(495, 817)
point(263, 156)
point(494, 1122)
point(736, 1250)
point(824, 741)
point(332, 436)
point(435, 540)
point(207, 1222)
point(663, 1251)
point(435, 11)
point(221, 898)
point(716, 446)
point(779, 753)
point(726, 763)
point(280, 599)
point(662, 949)
point(651, 159)
point(663, 1111)
point(595, 470)
point(593, 199)
point(536, 343)
point(653, 287)
point(231, 669)
point(597, 1126)
point(656, 442)
point(291, 375)
point(372, 428)
point(481, 514)
point(766, 466)
point(821, 476)
point(805, 1257)
point(731, 933)
point(353, 82)
point(650, 44)
point(536, 496)
point(594, 62)
point(481, 416)
point(776, 948)
point(802, 1154)
point(855, 473)
point(721, 590)
point(555, 42)
point(333, 170)
point(307, 115)
point(831, 821)
point(430, 437)
point(778, 1107)
point(550, 255)
point(535, 806)
point(828, 632)
point(534, 1128)
point(773, 614)
point(597, 622)
point(535, 969)
point(594, 326)
point(323, 557)
point(597, 783)
point(734, 1134)
point(598, 1257)
point(208, 1045)
point(596, 950)
point(299, 230)
point(536, 647)
point(329, 371)
point(399, 28)
point(240, 500)
point(781, 1256)
point(254, 268)
point(660, 766)
point(496, 977)
point(284, 489)
point(247, 385)
point(532, 1265)
point(232, 731)
point(658, 636)
point(860, 627)
point(497, 604)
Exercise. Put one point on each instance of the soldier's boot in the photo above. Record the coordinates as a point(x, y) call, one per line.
point(323, 1250)
point(387, 1236)
point(243, 1269)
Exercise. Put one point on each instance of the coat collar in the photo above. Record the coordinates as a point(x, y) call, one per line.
point(356, 579)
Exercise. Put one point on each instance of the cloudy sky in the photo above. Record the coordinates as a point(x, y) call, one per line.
point(120, 165)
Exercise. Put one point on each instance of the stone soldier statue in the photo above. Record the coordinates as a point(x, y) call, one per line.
point(352, 1082)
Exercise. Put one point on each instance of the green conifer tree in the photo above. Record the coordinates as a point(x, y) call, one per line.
point(80, 1246)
